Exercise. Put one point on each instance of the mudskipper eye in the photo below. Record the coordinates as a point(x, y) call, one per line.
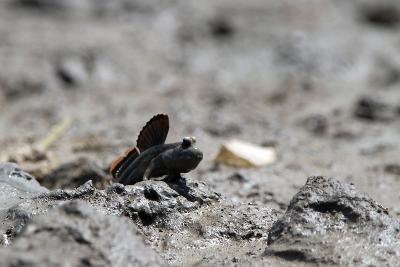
point(186, 142)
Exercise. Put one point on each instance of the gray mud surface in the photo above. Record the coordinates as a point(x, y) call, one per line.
point(318, 80)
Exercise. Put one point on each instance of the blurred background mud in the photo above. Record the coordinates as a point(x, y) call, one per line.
point(318, 80)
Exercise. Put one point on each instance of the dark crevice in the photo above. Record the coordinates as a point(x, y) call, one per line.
point(335, 207)
point(275, 232)
point(151, 194)
point(146, 218)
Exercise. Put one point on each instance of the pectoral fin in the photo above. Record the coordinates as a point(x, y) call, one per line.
point(156, 168)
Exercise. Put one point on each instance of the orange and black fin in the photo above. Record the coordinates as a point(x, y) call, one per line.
point(123, 161)
point(154, 132)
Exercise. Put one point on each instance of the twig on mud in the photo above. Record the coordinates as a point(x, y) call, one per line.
point(55, 133)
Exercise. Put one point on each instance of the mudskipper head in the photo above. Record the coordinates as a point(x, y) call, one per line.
point(184, 158)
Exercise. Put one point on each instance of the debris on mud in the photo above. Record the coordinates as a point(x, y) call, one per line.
point(242, 154)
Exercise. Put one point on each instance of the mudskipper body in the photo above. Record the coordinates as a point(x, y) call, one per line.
point(153, 158)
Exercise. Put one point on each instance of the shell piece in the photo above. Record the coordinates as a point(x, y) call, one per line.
point(154, 132)
point(123, 161)
point(237, 153)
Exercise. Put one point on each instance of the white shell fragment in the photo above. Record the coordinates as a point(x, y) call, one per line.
point(246, 155)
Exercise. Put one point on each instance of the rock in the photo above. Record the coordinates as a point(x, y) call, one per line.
point(84, 69)
point(21, 87)
point(72, 72)
point(147, 203)
point(229, 231)
point(221, 28)
point(49, 6)
point(330, 222)
point(392, 168)
point(238, 177)
point(385, 72)
point(223, 129)
point(151, 202)
point(76, 173)
point(242, 154)
point(74, 234)
point(371, 109)
point(187, 222)
point(385, 14)
point(316, 124)
point(15, 184)
point(16, 187)
point(11, 174)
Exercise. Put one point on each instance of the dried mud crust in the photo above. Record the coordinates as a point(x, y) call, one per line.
point(186, 224)
point(183, 220)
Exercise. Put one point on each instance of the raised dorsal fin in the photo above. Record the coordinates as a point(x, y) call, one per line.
point(154, 132)
point(123, 161)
